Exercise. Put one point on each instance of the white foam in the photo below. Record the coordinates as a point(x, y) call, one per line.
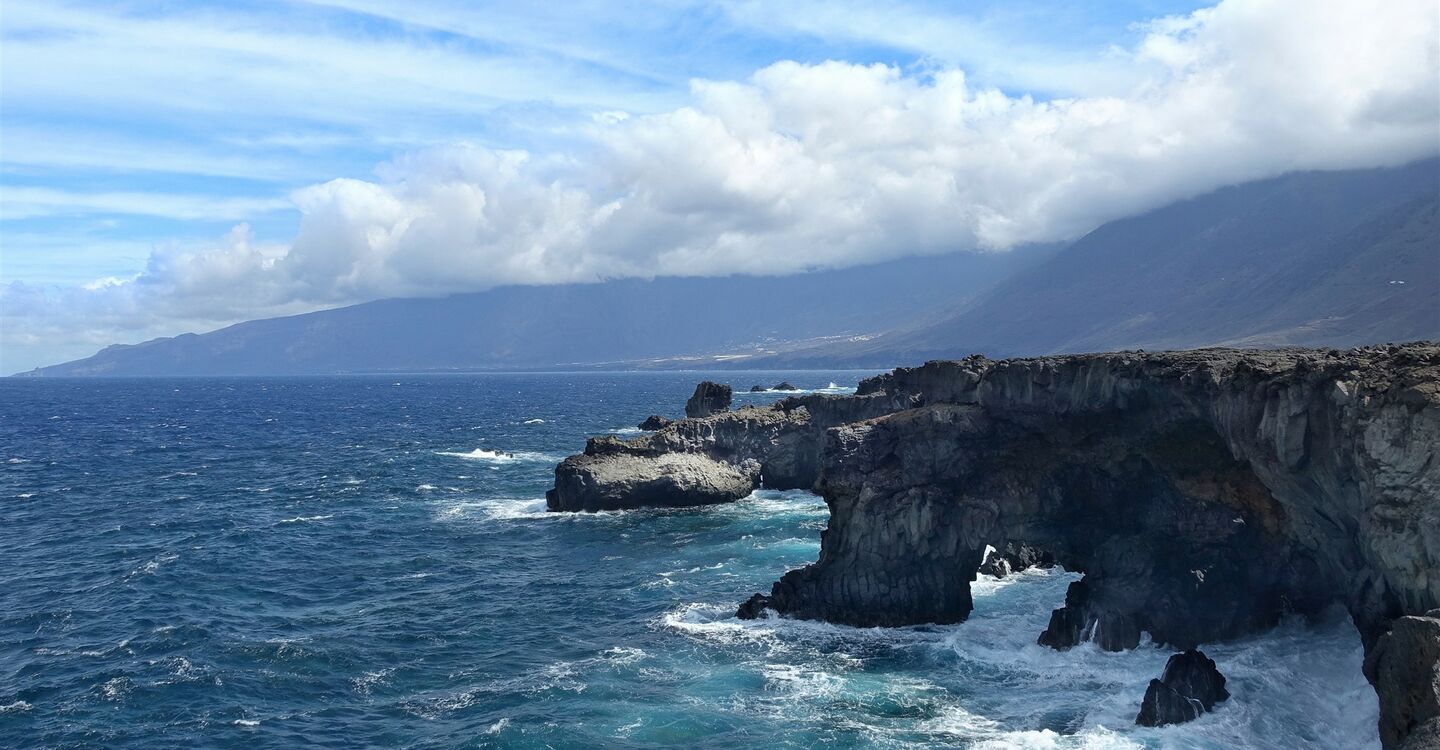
point(534, 421)
point(500, 457)
point(498, 727)
point(504, 509)
point(306, 519)
point(16, 707)
point(17, 461)
point(625, 431)
point(253, 722)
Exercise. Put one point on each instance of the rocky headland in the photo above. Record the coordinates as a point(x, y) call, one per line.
point(1203, 495)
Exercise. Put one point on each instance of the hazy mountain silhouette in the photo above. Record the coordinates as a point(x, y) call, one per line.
point(1317, 258)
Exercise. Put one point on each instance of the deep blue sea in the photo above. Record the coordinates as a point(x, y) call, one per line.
point(366, 562)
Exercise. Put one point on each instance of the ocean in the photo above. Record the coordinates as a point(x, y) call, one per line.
point(367, 562)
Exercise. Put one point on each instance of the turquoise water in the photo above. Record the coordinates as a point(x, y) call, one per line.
point(366, 562)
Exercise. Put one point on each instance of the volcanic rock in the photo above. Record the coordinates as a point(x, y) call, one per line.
point(654, 422)
point(710, 398)
point(1189, 687)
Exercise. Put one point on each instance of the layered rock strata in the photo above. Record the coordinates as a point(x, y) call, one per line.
point(1203, 494)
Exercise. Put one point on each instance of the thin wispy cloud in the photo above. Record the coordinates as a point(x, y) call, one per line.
point(522, 147)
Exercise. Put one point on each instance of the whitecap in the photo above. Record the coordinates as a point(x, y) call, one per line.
point(17, 461)
point(500, 457)
point(248, 722)
point(426, 488)
point(498, 727)
point(306, 519)
point(537, 420)
point(624, 431)
point(501, 509)
point(15, 707)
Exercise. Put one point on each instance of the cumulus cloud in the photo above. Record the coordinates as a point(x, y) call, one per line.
point(832, 164)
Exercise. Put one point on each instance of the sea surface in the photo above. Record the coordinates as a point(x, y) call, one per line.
point(366, 562)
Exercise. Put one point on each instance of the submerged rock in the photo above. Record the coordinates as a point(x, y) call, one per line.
point(655, 422)
point(1190, 686)
point(710, 398)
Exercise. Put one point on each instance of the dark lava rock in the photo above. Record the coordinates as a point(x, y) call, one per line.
point(757, 389)
point(754, 607)
point(1404, 665)
point(654, 422)
point(1081, 620)
point(784, 385)
point(1190, 686)
point(996, 565)
point(710, 398)
point(1014, 558)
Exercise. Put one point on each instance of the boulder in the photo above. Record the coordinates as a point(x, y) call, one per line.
point(1190, 686)
point(607, 478)
point(709, 398)
point(655, 422)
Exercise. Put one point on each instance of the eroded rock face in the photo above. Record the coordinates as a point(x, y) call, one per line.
point(1405, 667)
point(1203, 494)
point(1190, 686)
point(709, 398)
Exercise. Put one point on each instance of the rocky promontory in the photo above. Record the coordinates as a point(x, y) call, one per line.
point(1203, 495)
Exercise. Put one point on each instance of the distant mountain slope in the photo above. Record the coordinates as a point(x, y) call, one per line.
point(1317, 258)
point(577, 324)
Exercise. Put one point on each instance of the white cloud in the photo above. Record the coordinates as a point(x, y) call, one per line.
point(834, 164)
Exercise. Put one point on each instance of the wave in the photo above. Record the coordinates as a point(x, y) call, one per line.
point(832, 387)
point(505, 509)
point(501, 457)
point(624, 431)
point(537, 420)
point(306, 519)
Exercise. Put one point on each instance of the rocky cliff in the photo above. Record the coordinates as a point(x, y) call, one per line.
point(1203, 494)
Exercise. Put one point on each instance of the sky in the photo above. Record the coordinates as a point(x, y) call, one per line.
point(169, 167)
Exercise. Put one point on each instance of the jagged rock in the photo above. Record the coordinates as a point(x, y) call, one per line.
point(996, 565)
point(1014, 558)
point(1190, 686)
point(709, 398)
point(1203, 494)
point(1404, 665)
point(757, 389)
point(1082, 619)
point(784, 385)
point(753, 608)
point(655, 422)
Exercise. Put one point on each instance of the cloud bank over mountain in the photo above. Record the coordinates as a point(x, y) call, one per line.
point(802, 166)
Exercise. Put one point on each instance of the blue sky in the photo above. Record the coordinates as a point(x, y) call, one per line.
point(178, 166)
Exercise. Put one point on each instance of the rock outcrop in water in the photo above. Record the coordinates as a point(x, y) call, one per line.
point(1203, 494)
point(709, 398)
point(1190, 686)
point(654, 422)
